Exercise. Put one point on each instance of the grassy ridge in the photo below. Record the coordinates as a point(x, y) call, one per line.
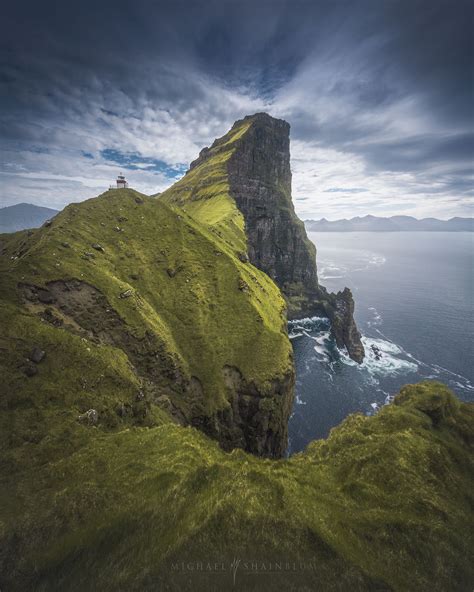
point(204, 194)
point(184, 288)
point(380, 505)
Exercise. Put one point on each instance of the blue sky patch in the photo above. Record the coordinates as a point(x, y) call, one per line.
point(136, 162)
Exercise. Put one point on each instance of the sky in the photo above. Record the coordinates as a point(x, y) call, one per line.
point(378, 94)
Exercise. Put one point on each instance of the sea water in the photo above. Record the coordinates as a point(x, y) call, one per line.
point(413, 294)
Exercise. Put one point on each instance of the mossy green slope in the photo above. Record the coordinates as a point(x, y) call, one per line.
point(204, 193)
point(239, 189)
point(383, 504)
point(167, 288)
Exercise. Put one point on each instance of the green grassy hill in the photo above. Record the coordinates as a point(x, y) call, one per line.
point(383, 504)
point(123, 280)
point(136, 337)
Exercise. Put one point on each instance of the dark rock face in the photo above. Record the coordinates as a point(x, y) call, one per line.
point(343, 325)
point(256, 421)
point(260, 182)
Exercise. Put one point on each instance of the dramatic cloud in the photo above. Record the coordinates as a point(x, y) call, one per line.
point(378, 95)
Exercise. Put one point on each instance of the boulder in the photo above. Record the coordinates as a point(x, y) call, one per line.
point(37, 355)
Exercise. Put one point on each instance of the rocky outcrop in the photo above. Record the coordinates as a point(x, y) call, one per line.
point(256, 420)
point(259, 176)
point(343, 327)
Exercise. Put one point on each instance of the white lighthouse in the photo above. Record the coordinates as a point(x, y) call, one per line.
point(121, 182)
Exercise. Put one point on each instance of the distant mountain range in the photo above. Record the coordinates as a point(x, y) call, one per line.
point(24, 215)
point(392, 224)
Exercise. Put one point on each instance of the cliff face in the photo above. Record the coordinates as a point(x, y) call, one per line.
point(260, 182)
point(259, 178)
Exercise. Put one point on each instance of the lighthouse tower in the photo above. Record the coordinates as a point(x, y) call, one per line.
point(121, 182)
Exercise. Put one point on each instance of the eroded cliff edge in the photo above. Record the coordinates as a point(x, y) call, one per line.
point(259, 177)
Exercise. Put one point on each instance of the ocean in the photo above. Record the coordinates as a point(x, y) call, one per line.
point(414, 303)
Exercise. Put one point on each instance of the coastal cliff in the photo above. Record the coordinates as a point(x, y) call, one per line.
point(259, 180)
point(147, 382)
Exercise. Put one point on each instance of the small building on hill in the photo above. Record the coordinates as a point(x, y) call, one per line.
point(121, 182)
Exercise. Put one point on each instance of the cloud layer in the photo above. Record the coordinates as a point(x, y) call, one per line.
point(378, 95)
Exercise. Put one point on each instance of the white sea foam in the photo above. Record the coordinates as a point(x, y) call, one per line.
point(295, 335)
point(299, 401)
point(376, 317)
point(382, 358)
point(451, 378)
point(322, 344)
point(377, 260)
point(308, 322)
point(329, 271)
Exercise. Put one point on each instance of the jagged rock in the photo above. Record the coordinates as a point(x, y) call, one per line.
point(36, 355)
point(126, 294)
point(90, 417)
point(377, 352)
point(98, 247)
point(243, 257)
point(172, 271)
point(47, 223)
point(88, 255)
point(255, 421)
point(260, 182)
point(343, 327)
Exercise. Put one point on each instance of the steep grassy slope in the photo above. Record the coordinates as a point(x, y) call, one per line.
point(123, 276)
point(204, 193)
point(383, 504)
point(240, 190)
